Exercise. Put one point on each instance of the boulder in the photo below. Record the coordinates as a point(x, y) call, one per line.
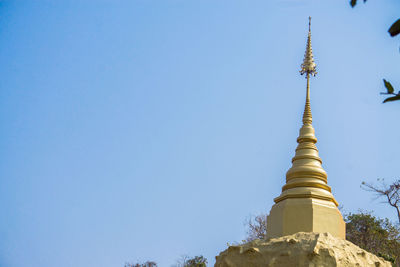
point(300, 249)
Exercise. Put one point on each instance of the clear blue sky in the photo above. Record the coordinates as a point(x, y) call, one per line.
point(144, 130)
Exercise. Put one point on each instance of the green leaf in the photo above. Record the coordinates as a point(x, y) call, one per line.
point(395, 28)
point(388, 86)
point(393, 98)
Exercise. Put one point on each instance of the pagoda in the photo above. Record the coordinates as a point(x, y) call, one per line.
point(306, 203)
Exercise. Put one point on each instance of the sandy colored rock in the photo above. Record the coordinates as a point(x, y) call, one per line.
point(300, 249)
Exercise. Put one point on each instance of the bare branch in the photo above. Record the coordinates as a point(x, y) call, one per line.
point(391, 193)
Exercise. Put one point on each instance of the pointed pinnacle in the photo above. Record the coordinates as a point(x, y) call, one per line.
point(308, 65)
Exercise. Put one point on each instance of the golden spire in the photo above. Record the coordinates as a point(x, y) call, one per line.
point(306, 178)
point(306, 203)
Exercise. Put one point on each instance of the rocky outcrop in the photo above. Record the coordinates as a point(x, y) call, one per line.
point(302, 250)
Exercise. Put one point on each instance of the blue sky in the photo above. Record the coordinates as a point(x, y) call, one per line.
point(144, 130)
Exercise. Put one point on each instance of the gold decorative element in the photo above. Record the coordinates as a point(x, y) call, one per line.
point(308, 196)
point(307, 184)
point(306, 203)
point(308, 65)
point(306, 177)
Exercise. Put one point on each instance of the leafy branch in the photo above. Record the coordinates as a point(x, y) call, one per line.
point(393, 31)
point(390, 91)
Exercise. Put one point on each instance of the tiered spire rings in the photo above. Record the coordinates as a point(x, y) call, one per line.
point(306, 178)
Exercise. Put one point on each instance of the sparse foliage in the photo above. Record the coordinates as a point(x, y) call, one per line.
point(146, 264)
point(256, 227)
point(391, 193)
point(197, 261)
point(375, 235)
point(186, 261)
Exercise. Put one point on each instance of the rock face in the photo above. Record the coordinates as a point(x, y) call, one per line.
point(299, 250)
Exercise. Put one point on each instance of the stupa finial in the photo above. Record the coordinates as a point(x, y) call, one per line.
point(308, 65)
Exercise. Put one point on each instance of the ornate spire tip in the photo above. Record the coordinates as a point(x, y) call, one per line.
point(308, 65)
